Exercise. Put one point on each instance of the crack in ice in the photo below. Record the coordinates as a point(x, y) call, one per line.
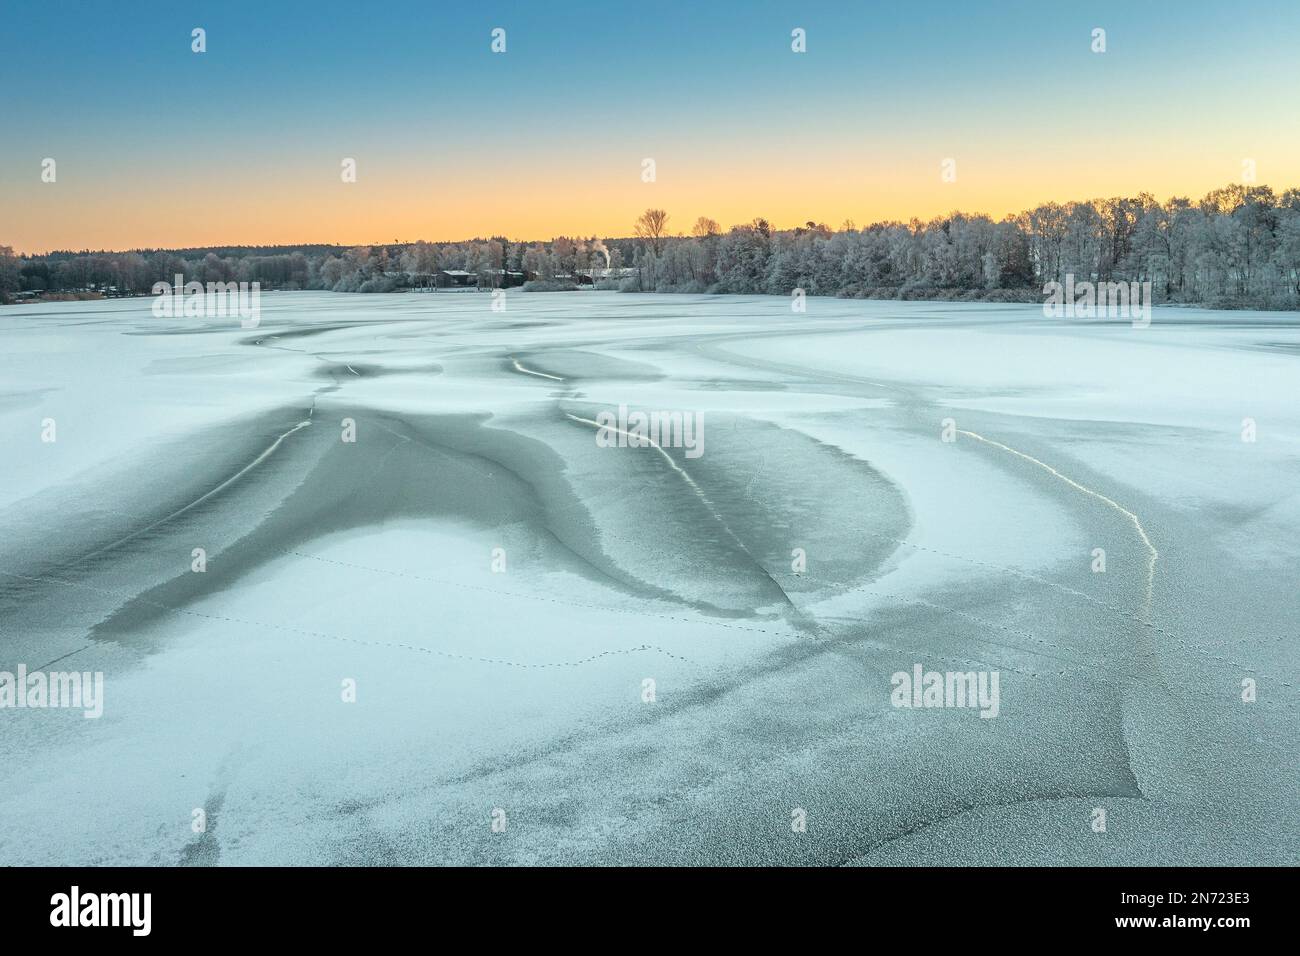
point(1152, 553)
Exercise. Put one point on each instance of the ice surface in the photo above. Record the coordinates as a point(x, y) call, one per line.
point(522, 689)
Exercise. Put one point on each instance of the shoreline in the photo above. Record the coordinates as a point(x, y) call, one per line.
point(988, 297)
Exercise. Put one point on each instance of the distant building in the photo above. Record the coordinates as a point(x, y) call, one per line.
point(592, 276)
point(454, 278)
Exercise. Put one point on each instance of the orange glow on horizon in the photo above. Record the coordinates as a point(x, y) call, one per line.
point(402, 204)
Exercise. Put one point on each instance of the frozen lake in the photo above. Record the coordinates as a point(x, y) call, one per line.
point(634, 654)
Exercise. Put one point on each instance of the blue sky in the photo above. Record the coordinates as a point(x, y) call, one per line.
point(413, 90)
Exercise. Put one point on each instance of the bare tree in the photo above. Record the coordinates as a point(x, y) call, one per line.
point(652, 225)
point(704, 226)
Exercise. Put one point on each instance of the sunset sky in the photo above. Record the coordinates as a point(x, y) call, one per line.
point(159, 146)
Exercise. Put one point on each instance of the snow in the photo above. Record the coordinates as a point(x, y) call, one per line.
point(524, 689)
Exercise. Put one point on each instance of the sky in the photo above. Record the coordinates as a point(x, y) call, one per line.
point(158, 146)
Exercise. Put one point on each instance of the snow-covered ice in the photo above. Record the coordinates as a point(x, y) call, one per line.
point(523, 689)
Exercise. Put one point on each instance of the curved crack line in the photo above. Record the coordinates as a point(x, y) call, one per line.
point(1152, 553)
point(699, 493)
point(266, 453)
point(529, 371)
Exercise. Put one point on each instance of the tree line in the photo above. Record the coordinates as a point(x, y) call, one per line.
point(1237, 247)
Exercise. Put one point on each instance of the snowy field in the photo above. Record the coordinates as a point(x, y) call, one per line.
point(500, 590)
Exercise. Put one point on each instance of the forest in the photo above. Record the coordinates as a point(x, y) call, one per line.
point(1237, 247)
